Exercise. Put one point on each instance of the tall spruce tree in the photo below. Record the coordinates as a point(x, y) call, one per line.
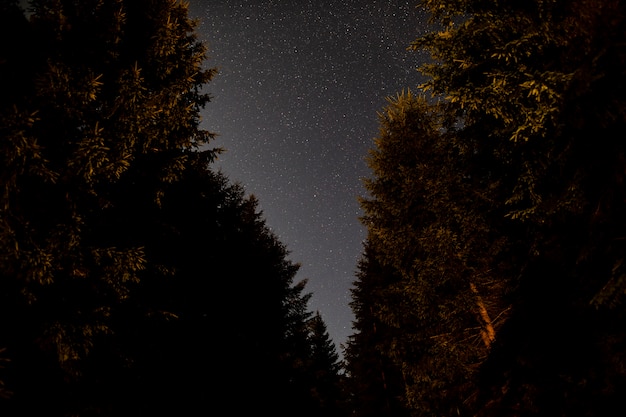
point(428, 231)
point(97, 117)
point(374, 383)
point(134, 279)
point(309, 362)
point(540, 81)
point(239, 326)
point(325, 370)
point(512, 209)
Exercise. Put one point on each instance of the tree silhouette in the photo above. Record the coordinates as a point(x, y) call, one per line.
point(134, 279)
point(437, 294)
point(374, 382)
point(325, 370)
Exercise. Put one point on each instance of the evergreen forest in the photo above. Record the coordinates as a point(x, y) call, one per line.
point(138, 280)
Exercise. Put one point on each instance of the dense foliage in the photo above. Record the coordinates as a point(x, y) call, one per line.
point(496, 215)
point(133, 279)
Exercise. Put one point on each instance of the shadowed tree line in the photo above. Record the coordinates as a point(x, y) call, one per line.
point(134, 279)
point(492, 281)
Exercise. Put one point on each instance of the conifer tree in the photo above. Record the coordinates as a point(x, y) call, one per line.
point(325, 370)
point(428, 231)
point(539, 81)
point(98, 118)
point(236, 314)
point(496, 201)
point(309, 362)
point(374, 382)
point(144, 283)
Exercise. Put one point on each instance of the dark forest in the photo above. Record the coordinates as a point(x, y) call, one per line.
point(135, 279)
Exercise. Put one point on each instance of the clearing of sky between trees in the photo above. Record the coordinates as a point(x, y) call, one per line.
point(137, 280)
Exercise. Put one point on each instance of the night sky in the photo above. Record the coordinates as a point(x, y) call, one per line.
point(294, 104)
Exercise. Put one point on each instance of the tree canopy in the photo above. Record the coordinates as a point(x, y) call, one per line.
point(496, 211)
point(134, 279)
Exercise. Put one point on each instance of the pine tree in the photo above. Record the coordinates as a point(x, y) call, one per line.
point(539, 80)
point(374, 382)
point(325, 370)
point(308, 361)
point(144, 282)
point(428, 229)
point(97, 120)
point(237, 318)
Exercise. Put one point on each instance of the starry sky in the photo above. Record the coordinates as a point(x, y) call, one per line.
point(295, 105)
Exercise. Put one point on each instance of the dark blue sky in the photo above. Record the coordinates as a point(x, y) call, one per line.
point(295, 104)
